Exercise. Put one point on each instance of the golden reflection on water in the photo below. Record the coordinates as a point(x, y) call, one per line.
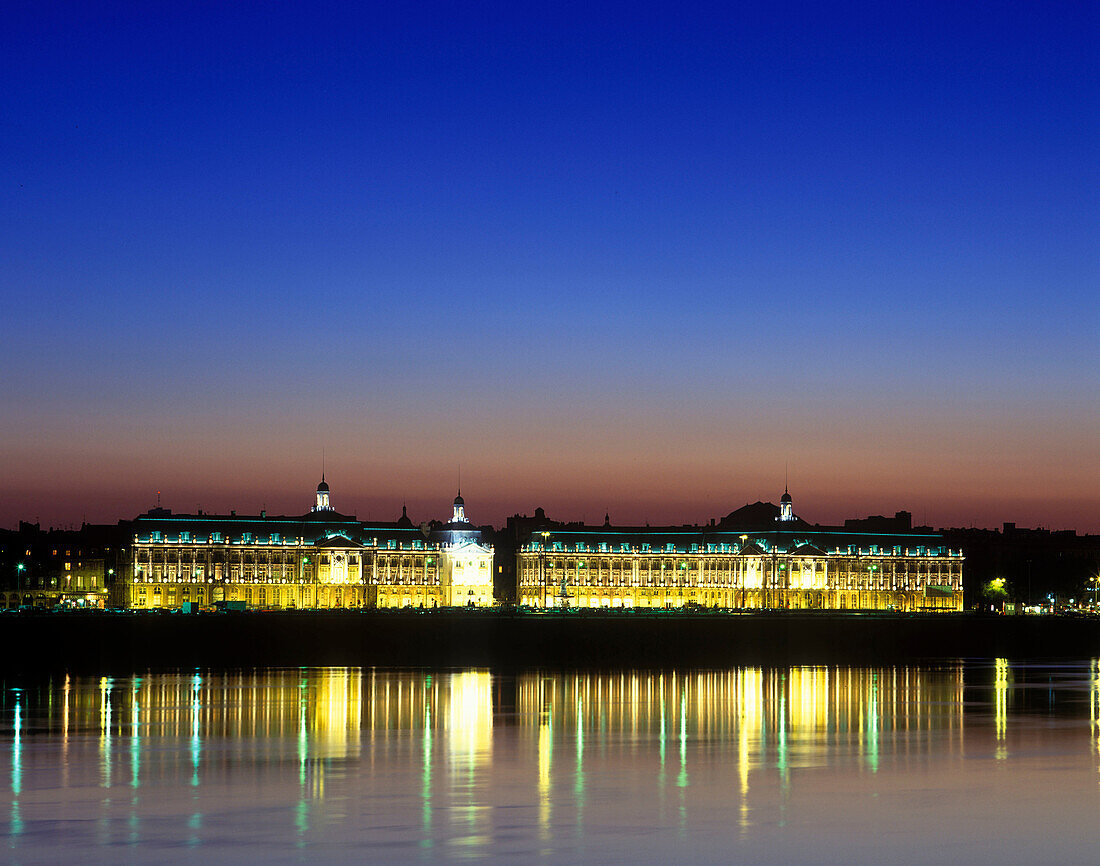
point(335, 713)
point(445, 734)
point(1002, 675)
point(1094, 709)
point(788, 707)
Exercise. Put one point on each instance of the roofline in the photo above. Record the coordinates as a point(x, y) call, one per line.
point(708, 530)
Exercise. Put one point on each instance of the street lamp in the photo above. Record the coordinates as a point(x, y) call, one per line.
point(545, 578)
point(19, 569)
point(744, 592)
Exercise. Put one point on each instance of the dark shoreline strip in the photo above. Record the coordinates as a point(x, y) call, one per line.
point(123, 643)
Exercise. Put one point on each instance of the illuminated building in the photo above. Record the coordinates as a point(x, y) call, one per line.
point(758, 557)
point(322, 559)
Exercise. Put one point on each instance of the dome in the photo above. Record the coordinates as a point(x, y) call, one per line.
point(786, 497)
point(323, 503)
point(459, 500)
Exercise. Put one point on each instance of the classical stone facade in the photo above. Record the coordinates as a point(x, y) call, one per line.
point(322, 559)
point(759, 557)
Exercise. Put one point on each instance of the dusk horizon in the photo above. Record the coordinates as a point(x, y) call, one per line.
point(636, 260)
point(493, 502)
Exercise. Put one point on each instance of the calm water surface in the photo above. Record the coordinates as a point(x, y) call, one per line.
point(974, 761)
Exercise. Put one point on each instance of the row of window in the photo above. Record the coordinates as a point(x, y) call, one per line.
point(391, 580)
point(841, 582)
point(759, 544)
point(289, 558)
point(731, 564)
point(157, 537)
point(844, 568)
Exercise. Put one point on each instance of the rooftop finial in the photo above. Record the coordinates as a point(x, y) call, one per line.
point(786, 505)
point(323, 503)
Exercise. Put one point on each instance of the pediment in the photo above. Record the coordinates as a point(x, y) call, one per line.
point(470, 547)
point(338, 540)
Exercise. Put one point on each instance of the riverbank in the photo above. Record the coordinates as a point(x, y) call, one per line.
point(125, 642)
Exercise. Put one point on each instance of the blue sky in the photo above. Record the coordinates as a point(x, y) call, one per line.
point(672, 248)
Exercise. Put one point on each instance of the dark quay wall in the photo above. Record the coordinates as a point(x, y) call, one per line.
point(119, 643)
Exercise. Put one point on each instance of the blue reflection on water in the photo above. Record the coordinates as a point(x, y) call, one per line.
point(17, 765)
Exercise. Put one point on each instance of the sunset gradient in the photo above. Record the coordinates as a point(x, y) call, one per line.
point(630, 259)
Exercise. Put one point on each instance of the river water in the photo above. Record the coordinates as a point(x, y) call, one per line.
point(975, 761)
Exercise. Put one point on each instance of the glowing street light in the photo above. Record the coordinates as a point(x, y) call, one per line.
point(545, 577)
